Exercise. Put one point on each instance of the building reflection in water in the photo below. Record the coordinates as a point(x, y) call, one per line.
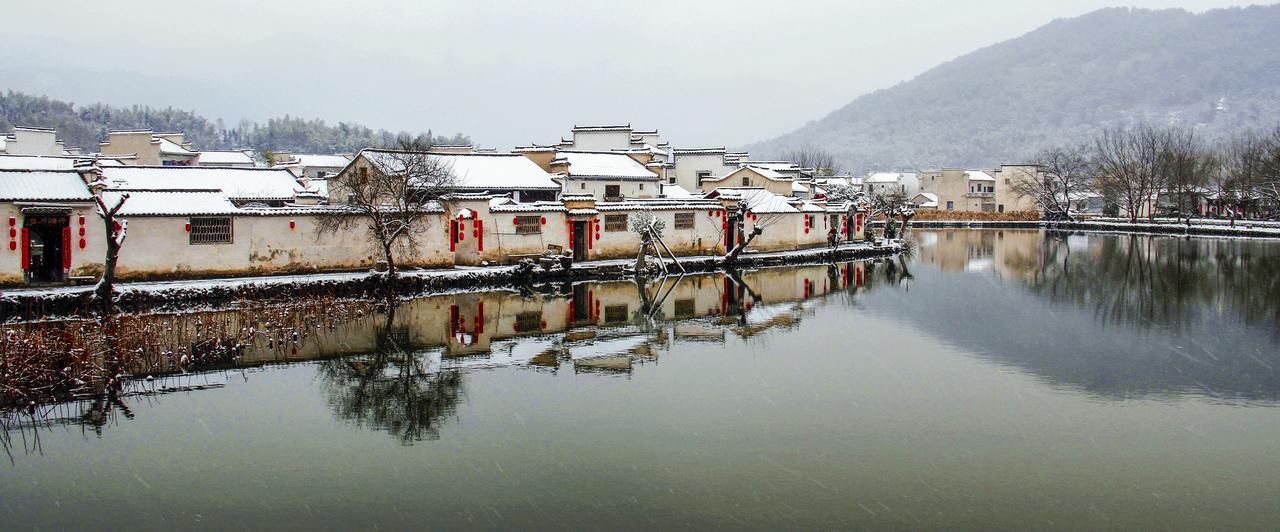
point(401, 369)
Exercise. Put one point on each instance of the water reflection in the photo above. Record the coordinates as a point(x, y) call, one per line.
point(400, 369)
point(1119, 315)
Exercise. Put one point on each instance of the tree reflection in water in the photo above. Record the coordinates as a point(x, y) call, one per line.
point(1159, 281)
point(394, 389)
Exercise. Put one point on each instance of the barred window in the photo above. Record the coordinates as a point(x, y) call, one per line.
point(528, 225)
point(684, 308)
point(529, 321)
point(210, 231)
point(615, 313)
point(615, 222)
point(684, 220)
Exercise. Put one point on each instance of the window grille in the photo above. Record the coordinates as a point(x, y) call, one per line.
point(210, 231)
point(684, 308)
point(529, 321)
point(615, 222)
point(528, 225)
point(684, 220)
point(615, 313)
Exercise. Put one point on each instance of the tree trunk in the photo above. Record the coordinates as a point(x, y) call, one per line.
point(732, 257)
point(106, 286)
point(391, 261)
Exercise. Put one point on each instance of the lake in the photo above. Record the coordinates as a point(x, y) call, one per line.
point(991, 379)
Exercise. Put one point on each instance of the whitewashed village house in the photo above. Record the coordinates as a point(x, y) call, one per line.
point(149, 148)
point(31, 141)
point(187, 219)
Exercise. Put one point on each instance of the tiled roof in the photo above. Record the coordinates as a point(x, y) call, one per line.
point(43, 185)
point(235, 183)
point(604, 165)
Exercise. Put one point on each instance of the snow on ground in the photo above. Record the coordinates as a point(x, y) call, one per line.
point(457, 271)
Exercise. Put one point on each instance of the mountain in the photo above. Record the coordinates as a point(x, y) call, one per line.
point(86, 126)
point(1218, 71)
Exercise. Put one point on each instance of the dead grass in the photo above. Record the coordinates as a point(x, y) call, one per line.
point(55, 360)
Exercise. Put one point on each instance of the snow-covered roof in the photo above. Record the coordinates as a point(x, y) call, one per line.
point(192, 203)
point(603, 164)
point(319, 161)
point(762, 172)
point(169, 147)
point(480, 171)
point(929, 199)
point(676, 191)
point(699, 151)
point(886, 177)
point(225, 157)
point(978, 175)
point(757, 200)
point(797, 187)
point(611, 127)
point(48, 162)
point(42, 185)
point(235, 183)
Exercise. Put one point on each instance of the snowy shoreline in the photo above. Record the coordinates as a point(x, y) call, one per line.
point(30, 303)
point(1246, 228)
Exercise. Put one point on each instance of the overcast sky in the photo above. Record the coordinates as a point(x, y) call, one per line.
point(508, 72)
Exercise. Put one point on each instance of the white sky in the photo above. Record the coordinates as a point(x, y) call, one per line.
point(508, 72)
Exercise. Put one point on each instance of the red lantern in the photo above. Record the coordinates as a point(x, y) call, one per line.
point(13, 221)
point(81, 243)
point(81, 219)
point(13, 244)
point(188, 228)
point(81, 231)
point(544, 220)
point(13, 233)
point(516, 220)
point(292, 224)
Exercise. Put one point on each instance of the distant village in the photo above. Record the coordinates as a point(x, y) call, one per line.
point(193, 213)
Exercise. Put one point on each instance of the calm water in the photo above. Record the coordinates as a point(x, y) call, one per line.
point(995, 379)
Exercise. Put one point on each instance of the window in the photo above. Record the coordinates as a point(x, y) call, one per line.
point(615, 222)
point(684, 220)
point(364, 172)
point(703, 175)
point(612, 191)
point(684, 308)
point(528, 225)
point(641, 186)
point(321, 174)
point(582, 186)
point(746, 181)
point(951, 205)
point(671, 180)
point(615, 313)
point(209, 231)
point(529, 321)
point(1000, 208)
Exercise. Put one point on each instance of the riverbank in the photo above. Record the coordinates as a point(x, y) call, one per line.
point(1170, 226)
point(35, 302)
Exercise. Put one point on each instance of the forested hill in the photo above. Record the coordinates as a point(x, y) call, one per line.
point(1218, 71)
point(86, 126)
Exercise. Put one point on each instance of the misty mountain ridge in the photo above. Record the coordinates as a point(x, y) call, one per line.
point(1063, 83)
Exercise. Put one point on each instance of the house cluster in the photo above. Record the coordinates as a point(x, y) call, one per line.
point(192, 213)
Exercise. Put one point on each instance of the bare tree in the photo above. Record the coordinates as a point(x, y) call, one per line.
point(1184, 168)
point(115, 230)
point(396, 194)
point(821, 161)
point(1064, 172)
point(760, 222)
point(1266, 183)
point(1129, 167)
